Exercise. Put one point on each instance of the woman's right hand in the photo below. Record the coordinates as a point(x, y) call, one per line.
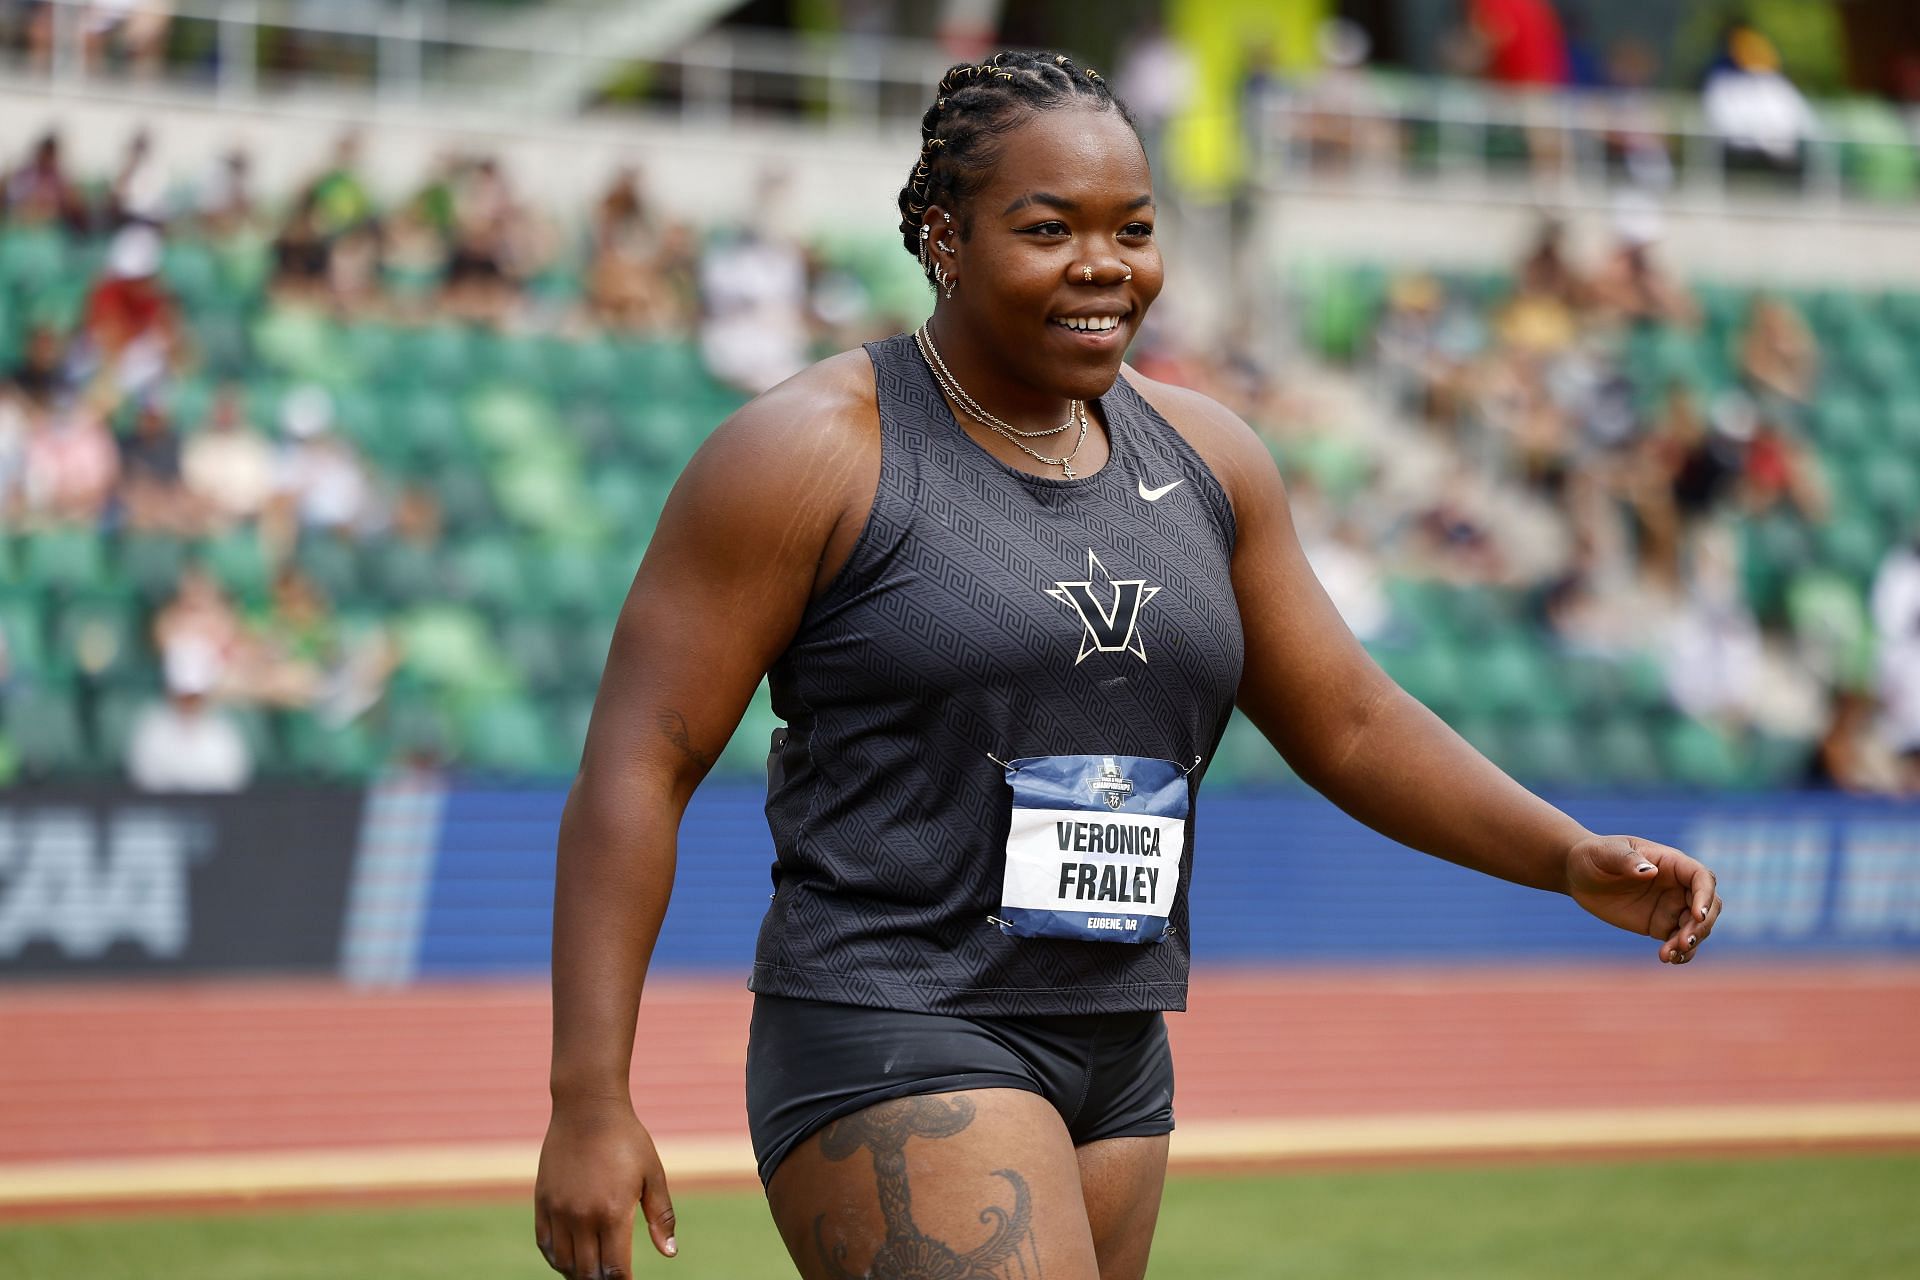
point(597, 1162)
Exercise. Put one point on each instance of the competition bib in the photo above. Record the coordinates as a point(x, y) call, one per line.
point(1093, 851)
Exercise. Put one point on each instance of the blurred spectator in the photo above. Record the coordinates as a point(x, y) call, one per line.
point(1896, 616)
point(41, 374)
point(70, 465)
point(754, 289)
point(1713, 651)
point(1452, 539)
point(1153, 76)
point(132, 325)
point(624, 287)
point(135, 30)
point(339, 197)
point(1345, 117)
point(138, 193)
point(224, 200)
point(289, 643)
point(153, 497)
point(1850, 756)
point(1546, 271)
point(1781, 469)
point(185, 743)
point(1750, 103)
point(200, 627)
point(1631, 287)
point(320, 481)
point(1778, 354)
point(1349, 570)
point(40, 193)
point(300, 259)
point(227, 465)
point(477, 285)
point(1518, 43)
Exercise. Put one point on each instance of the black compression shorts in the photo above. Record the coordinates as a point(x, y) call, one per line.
point(1109, 1075)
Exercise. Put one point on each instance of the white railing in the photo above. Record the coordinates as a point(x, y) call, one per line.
point(1467, 140)
point(395, 51)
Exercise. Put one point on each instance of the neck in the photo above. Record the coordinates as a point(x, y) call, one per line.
point(986, 380)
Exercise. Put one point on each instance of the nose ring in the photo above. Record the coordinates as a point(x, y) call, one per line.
point(1128, 276)
point(1087, 272)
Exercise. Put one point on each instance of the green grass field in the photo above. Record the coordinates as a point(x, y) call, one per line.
point(1856, 1216)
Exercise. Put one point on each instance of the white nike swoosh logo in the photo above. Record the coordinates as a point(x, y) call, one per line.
point(1154, 495)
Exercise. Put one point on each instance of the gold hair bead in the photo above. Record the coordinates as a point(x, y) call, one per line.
point(937, 142)
point(1060, 60)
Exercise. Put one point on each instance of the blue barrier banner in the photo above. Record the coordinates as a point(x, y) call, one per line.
point(1279, 877)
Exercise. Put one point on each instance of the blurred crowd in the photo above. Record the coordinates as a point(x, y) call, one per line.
point(1665, 480)
point(101, 427)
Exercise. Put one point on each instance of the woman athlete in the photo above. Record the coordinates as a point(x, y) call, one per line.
point(1007, 595)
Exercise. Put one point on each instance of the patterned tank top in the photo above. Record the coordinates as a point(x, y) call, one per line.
point(987, 615)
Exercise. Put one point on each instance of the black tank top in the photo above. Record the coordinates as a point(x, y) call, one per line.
point(985, 612)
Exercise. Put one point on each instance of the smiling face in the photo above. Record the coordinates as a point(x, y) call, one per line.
point(1071, 191)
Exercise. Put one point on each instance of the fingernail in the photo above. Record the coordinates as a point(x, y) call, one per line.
point(1645, 866)
point(672, 1248)
point(1692, 941)
point(1701, 912)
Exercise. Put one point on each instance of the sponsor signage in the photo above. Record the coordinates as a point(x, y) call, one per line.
point(106, 880)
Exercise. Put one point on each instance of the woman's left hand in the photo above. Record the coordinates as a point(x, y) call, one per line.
point(1648, 888)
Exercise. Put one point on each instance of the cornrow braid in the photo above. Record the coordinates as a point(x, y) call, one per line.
point(975, 104)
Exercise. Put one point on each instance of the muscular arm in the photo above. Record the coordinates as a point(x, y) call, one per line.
point(755, 524)
point(1341, 722)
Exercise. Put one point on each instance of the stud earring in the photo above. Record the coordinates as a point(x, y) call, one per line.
point(926, 264)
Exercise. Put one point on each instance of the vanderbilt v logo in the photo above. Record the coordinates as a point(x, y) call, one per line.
point(1110, 626)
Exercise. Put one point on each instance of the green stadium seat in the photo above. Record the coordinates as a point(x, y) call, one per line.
point(115, 713)
point(1549, 753)
point(99, 635)
point(347, 752)
point(33, 260)
point(508, 735)
point(538, 652)
point(488, 573)
point(151, 564)
point(1701, 756)
point(451, 648)
point(428, 429)
point(332, 563)
point(23, 627)
point(239, 561)
point(1507, 677)
point(402, 573)
point(1432, 672)
point(572, 579)
point(1623, 752)
point(65, 559)
point(1850, 543)
point(571, 720)
point(745, 755)
point(44, 727)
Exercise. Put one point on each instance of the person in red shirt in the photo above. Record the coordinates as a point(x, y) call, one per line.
point(1522, 40)
point(132, 324)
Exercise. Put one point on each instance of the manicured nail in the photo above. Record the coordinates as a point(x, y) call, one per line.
point(672, 1248)
point(1645, 866)
point(1701, 912)
point(1692, 941)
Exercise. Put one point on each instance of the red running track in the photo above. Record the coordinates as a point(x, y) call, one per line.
point(152, 1069)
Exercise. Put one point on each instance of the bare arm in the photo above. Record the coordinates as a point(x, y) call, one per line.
point(1371, 748)
point(752, 528)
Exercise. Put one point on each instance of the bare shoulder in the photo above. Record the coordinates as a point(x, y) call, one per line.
point(1224, 442)
point(791, 474)
point(827, 410)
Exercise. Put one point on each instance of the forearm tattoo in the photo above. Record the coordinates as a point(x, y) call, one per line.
point(908, 1253)
point(673, 726)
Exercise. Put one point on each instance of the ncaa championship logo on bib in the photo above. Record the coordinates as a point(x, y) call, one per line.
point(1094, 847)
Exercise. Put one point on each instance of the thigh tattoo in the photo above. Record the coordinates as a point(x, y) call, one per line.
point(909, 1253)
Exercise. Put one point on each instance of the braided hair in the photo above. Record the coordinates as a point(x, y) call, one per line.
point(975, 104)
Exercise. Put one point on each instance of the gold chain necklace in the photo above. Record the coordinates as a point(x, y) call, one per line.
point(1076, 411)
